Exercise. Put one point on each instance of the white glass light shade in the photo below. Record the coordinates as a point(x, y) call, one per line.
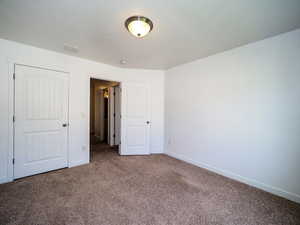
point(138, 26)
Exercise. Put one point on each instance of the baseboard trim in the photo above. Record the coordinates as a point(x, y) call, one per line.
point(156, 150)
point(274, 190)
point(5, 180)
point(77, 163)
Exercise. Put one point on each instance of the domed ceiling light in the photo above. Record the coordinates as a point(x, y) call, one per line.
point(139, 26)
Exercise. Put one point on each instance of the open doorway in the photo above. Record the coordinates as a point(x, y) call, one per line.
point(105, 117)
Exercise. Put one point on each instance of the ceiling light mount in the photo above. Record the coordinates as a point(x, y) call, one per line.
point(123, 61)
point(139, 26)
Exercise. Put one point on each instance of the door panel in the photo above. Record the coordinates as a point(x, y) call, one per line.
point(41, 108)
point(118, 115)
point(135, 114)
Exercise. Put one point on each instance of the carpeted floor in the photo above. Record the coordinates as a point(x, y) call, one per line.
point(156, 189)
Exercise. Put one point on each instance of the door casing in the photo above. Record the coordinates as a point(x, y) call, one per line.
point(107, 78)
point(11, 107)
point(65, 77)
point(99, 77)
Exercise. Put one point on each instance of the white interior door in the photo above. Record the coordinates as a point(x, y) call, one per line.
point(41, 120)
point(112, 114)
point(117, 115)
point(135, 119)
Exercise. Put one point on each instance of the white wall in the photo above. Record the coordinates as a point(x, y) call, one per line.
point(238, 113)
point(80, 72)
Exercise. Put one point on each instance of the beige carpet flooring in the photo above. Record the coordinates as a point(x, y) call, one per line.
point(137, 190)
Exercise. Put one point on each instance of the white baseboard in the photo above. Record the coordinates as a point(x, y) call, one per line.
point(77, 163)
point(71, 164)
point(5, 180)
point(156, 150)
point(274, 190)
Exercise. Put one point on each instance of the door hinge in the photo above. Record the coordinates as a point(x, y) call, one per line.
point(114, 115)
point(114, 93)
point(114, 136)
point(14, 76)
point(14, 118)
point(13, 160)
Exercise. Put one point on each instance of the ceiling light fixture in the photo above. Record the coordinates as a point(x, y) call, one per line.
point(139, 26)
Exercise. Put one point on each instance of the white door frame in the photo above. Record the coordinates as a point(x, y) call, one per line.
point(11, 107)
point(99, 77)
point(108, 77)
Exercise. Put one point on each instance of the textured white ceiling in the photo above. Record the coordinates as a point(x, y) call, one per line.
point(184, 30)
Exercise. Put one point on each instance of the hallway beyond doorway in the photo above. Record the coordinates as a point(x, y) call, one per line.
point(98, 150)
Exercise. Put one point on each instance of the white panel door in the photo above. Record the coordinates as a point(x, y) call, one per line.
point(135, 119)
point(41, 120)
